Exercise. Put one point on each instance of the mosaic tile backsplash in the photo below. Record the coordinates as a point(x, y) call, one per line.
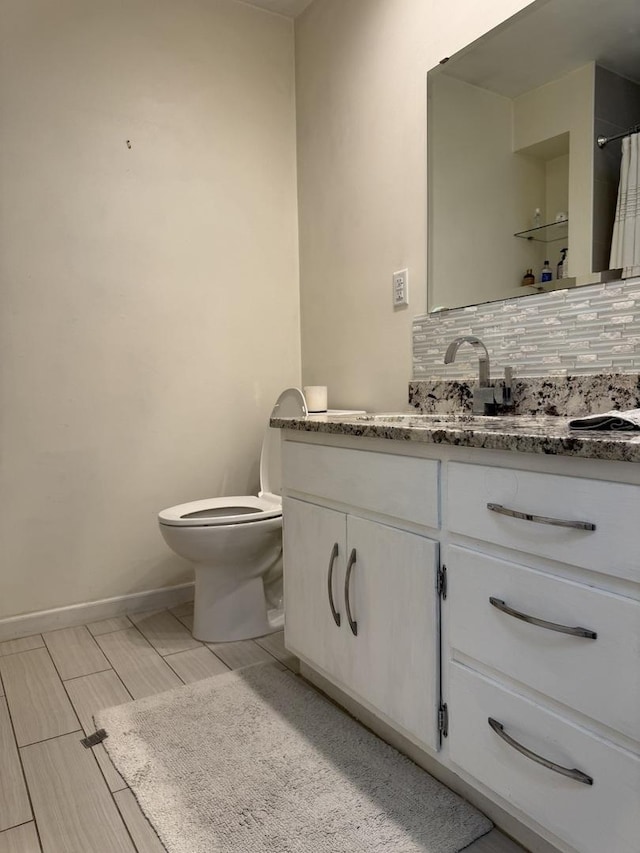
point(586, 330)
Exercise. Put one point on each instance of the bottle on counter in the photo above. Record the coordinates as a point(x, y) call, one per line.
point(537, 218)
point(528, 278)
point(546, 273)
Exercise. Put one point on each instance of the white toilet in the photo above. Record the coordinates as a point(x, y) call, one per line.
point(235, 544)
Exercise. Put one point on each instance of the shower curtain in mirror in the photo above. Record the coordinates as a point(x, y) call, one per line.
point(625, 244)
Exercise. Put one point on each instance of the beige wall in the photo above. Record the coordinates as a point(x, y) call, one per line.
point(361, 70)
point(480, 193)
point(566, 104)
point(148, 295)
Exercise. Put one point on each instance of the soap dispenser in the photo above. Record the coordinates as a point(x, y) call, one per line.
point(561, 272)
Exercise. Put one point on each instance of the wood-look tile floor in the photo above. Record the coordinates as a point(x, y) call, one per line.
point(56, 796)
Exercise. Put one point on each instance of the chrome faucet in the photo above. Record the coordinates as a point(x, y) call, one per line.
point(481, 350)
point(486, 397)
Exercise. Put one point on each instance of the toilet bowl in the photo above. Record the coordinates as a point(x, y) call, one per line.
point(235, 545)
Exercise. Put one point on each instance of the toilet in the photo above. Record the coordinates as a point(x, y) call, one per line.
point(235, 545)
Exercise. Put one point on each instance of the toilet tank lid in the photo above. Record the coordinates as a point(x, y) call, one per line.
point(290, 404)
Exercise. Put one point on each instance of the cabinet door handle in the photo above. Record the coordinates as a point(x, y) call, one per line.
point(352, 623)
point(332, 559)
point(541, 623)
point(572, 773)
point(541, 519)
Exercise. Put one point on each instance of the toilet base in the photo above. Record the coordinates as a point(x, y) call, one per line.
point(224, 612)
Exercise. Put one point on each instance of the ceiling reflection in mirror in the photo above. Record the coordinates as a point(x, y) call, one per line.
point(516, 179)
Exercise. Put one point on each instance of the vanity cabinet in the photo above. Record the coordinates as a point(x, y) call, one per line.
point(519, 672)
point(361, 598)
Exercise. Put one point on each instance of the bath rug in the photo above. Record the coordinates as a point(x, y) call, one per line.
point(257, 761)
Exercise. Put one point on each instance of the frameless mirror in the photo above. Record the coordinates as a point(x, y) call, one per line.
point(515, 173)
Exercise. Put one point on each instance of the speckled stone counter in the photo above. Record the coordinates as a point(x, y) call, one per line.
point(571, 396)
point(519, 433)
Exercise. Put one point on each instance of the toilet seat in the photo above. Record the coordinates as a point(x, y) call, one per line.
point(216, 512)
point(244, 509)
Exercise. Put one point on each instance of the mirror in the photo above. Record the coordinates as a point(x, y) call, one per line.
point(515, 174)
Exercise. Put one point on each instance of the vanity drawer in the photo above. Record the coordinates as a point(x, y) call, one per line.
point(593, 818)
point(561, 665)
point(478, 497)
point(399, 486)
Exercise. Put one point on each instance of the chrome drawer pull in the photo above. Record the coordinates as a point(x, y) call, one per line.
point(540, 519)
point(332, 559)
point(572, 773)
point(541, 623)
point(352, 623)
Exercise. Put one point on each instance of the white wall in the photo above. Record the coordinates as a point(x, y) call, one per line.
point(361, 70)
point(480, 193)
point(566, 104)
point(148, 295)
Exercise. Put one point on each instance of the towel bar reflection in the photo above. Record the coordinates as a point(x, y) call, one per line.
point(602, 140)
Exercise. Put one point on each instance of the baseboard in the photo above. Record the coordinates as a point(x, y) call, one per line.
point(14, 627)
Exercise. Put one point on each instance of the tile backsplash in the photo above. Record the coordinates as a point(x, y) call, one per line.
point(584, 330)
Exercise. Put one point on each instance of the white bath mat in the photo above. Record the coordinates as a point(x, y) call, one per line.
point(256, 761)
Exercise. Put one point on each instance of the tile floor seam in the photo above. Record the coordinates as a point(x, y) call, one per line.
point(102, 776)
point(151, 646)
point(133, 625)
point(22, 651)
point(182, 651)
point(218, 656)
point(24, 776)
point(167, 610)
point(87, 674)
point(86, 733)
point(93, 639)
point(126, 825)
point(176, 673)
point(16, 825)
point(113, 793)
point(79, 731)
point(65, 693)
point(117, 675)
point(111, 631)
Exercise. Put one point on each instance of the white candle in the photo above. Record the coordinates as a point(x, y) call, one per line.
point(316, 397)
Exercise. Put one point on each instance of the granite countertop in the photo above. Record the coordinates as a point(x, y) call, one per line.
point(520, 433)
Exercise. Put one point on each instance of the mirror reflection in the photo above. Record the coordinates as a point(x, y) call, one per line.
point(522, 197)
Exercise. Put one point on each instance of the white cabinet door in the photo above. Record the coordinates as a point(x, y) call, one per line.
point(314, 548)
point(393, 600)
